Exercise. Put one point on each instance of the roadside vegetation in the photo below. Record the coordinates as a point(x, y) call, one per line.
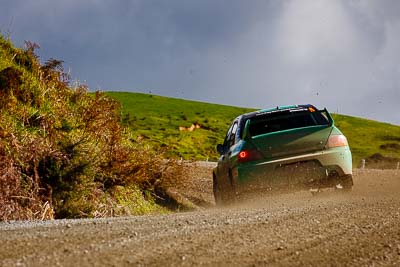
point(64, 152)
point(159, 120)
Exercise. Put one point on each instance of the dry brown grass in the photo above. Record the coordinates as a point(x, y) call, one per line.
point(63, 151)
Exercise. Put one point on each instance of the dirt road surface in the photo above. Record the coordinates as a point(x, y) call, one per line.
point(361, 228)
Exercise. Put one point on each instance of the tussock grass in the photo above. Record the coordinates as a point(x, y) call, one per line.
point(64, 152)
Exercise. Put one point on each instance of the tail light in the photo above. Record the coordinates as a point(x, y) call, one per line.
point(337, 141)
point(249, 155)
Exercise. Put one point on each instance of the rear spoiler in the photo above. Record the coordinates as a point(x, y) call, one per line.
point(246, 134)
point(328, 115)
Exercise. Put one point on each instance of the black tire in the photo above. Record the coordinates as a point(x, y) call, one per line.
point(222, 196)
point(347, 182)
point(217, 192)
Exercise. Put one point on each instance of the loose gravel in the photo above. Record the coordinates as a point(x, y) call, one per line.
point(360, 228)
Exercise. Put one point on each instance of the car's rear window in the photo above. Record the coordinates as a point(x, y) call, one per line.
point(285, 120)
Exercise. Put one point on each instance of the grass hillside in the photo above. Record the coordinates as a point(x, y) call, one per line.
point(368, 139)
point(158, 119)
point(64, 152)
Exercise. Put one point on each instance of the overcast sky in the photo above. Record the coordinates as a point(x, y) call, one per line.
point(339, 54)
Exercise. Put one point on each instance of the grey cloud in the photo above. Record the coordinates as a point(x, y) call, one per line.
point(340, 54)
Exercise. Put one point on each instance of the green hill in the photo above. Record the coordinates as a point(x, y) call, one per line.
point(158, 119)
point(368, 138)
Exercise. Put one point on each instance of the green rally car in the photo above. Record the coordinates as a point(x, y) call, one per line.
point(282, 148)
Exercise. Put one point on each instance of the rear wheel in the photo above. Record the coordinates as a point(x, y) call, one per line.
point(347, 182)
point(344, 183)
point(222, 196)
point(217, 192)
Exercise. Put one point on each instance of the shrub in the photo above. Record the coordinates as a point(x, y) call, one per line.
point(64, 152)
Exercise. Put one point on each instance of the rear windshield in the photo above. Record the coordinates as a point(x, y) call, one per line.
point(290, 119)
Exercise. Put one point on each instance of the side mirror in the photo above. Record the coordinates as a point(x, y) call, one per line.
point(220, 149)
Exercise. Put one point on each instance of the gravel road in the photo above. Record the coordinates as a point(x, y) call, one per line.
point(361, 228)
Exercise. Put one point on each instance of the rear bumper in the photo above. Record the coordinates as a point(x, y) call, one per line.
point(300, 169)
